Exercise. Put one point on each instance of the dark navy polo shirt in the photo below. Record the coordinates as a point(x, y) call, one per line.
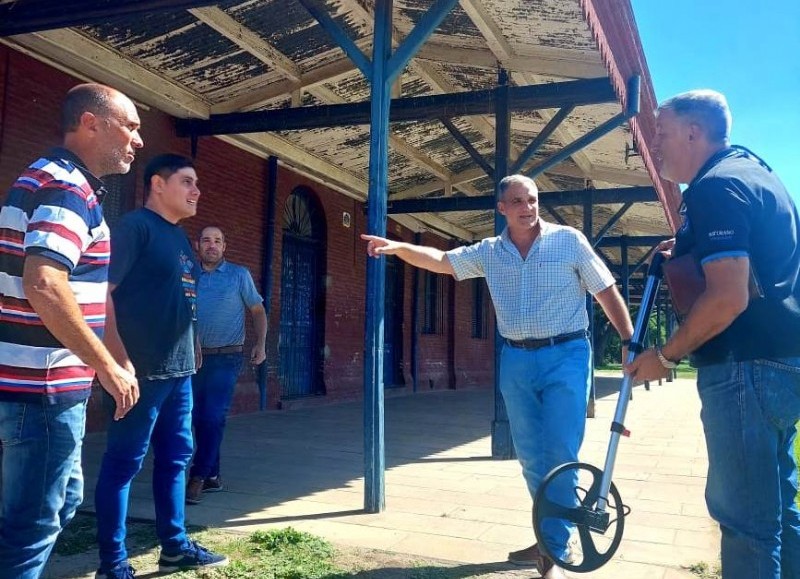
point(736, 206)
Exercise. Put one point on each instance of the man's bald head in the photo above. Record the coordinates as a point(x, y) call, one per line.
point(90, 97)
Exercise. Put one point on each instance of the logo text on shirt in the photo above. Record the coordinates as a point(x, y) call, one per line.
point(721, 234)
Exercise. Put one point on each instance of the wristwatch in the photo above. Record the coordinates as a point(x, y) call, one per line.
point(666, 362)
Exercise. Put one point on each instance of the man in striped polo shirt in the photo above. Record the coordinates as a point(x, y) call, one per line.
point(54, 256)
point(538, 274)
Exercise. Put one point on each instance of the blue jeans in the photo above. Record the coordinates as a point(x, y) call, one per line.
point(162, 416)
point(546, 392)
point(42, 482)
point(750, 410)
point(212, 388)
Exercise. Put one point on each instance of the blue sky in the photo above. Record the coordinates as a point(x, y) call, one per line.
point(750, 51)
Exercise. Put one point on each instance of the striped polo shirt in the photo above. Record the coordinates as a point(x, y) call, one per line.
point(52, 210)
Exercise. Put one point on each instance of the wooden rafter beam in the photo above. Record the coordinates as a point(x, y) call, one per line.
point(489, 29)
point(41, 15)
point(605, 174)
point(77, 51)
point(252, 43)
point(248, 40)
point(557, 62)
point(255, 94)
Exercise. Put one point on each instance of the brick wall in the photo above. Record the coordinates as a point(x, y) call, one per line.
point(234, 197)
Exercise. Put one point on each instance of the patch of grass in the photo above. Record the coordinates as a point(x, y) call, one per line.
point(78, 537)
point(282, 554)
point(797, 454)
point(705, 571)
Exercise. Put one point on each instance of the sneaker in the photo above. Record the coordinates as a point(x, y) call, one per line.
point(194, 491)
point(120, 571)
point(193, 556)
point(213, 485)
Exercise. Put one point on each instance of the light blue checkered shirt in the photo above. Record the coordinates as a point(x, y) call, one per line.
point(223, 295)
point(543, 295)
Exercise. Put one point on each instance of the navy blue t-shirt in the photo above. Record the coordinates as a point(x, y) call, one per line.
point(153, 267)
point(736, 206)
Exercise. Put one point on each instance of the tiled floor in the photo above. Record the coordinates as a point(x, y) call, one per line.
point(445, 496)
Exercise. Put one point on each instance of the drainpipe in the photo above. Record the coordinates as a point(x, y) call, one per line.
point(266, 268)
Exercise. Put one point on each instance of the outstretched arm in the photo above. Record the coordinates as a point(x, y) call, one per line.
point(421, 256)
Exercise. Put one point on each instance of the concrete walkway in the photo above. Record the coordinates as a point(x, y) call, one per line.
point(446, 498)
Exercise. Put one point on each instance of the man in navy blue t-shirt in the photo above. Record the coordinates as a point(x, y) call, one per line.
point(152, 296)
point(743, 332)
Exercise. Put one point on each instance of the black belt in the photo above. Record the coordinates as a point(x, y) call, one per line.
point(222, 350)
point(534, 344)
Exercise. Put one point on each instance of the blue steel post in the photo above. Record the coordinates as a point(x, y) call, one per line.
point(374, 462)
point(502, 445)
point(415, 320)
point(266, 267)
point(588, 227)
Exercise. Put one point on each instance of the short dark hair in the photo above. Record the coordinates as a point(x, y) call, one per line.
point(517, 179)
point(90, 97)
point(217, 227)
point(164, 166)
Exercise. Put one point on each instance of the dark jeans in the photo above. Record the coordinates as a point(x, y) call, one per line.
point(212, 388)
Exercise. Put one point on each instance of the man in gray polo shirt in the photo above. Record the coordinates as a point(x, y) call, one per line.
point(224, 292)
point(538, 274)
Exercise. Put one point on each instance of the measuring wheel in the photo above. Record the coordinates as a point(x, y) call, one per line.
point(581, 497)
point(596, 524)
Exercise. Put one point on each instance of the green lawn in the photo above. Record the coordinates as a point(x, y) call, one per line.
point(797, 453)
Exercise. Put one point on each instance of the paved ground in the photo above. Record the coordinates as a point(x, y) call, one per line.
point(445, 497)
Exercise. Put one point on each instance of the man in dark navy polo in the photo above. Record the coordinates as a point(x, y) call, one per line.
point(743, 332)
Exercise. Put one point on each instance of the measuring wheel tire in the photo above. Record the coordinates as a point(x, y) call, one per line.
point(595, 535)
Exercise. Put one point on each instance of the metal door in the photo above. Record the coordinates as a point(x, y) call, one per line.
point(393, 324)
point(297, 342)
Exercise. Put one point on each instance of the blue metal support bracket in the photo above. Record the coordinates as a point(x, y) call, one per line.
point(340, 36)
point(588, 231)
point(612, 222)
point(502, 443)
point(631, 110)
point(464, 142)
point(423, 29)
point(552, 211)
point(537, 142)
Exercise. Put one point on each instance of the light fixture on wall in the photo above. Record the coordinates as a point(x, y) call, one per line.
point(630, 151)
point(345, 219)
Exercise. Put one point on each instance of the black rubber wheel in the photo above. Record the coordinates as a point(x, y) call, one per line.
point(598, 533)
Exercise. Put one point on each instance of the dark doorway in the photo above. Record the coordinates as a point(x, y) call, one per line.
point(302, 297)
point(393, 324)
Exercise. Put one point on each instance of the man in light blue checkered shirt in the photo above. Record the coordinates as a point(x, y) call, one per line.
point(538, 274)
